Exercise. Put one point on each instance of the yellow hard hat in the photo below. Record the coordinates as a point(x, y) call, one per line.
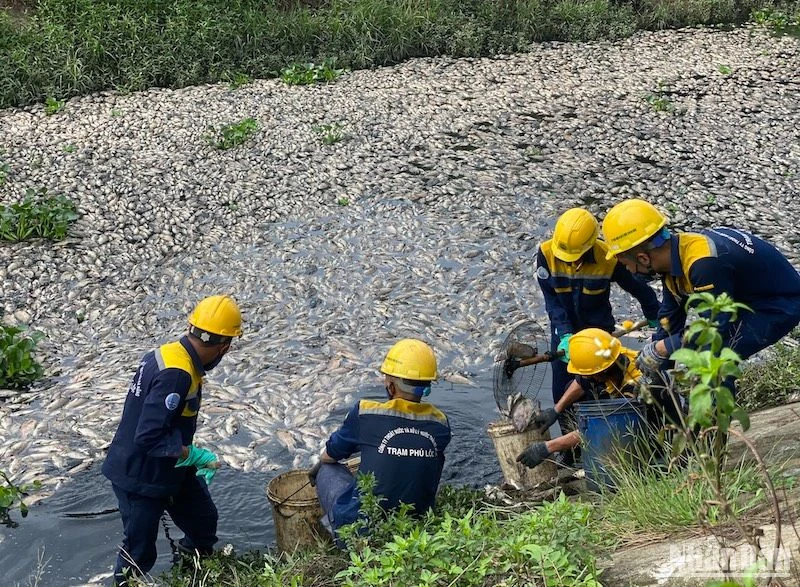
point(575, 232)
point(410, 359)
point(630, 223)
point(591, 351)
point(216, 315)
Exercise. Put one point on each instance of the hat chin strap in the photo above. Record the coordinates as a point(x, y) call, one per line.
point(208, 337)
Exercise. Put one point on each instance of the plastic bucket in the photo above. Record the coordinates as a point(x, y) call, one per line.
point(609, 428)
point(508, 443)
point(296, 511)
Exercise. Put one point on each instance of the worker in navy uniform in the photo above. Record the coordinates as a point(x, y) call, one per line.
point(717, 260)
point(152, 463)
point(603, 369)
point(401, 441)
point(575, 276)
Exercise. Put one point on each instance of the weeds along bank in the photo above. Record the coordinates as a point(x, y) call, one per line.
point(62, 48)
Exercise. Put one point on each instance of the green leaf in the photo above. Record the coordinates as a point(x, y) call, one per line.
point(743, 418)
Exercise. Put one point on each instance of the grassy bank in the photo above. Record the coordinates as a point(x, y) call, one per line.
point(63, 48)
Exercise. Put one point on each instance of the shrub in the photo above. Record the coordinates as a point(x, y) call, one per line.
point(548, 545)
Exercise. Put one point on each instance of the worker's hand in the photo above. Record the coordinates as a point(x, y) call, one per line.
point(312, 474)
point(652, 323)
point(649, 361)
point(510, 365)
point(208, 472)
point(198, 457)
point(563, 345)
point(534, 455)
point(544, 419)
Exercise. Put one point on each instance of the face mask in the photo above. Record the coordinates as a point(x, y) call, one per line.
point(215, 362)
point(646, 277)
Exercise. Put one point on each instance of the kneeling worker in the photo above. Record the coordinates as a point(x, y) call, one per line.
point(603, 368)
point(402, 441)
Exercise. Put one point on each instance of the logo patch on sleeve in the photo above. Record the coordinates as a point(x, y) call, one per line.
point(542, 273)
point(172, 401)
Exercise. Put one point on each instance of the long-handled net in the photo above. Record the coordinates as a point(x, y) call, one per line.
point(520, 366)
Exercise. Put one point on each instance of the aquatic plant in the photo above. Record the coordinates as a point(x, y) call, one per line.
point(330, 133)
point(53, 106)
point(310, 73)
point(18, 368)
point(11, 495)
point(39, 215)
point(232, 135)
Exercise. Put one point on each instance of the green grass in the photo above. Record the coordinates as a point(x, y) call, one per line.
point(654, 500)
point(66, 48)
point(771, 381)
point(301, 74)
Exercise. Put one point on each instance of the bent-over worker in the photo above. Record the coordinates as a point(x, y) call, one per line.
point(603, 369)
point(716, 261)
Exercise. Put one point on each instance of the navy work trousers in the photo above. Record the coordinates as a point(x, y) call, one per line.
point(192, 510)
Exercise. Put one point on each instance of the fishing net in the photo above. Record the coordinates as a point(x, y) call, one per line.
point(521, 365)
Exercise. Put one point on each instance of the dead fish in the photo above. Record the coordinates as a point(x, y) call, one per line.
point(521, 413)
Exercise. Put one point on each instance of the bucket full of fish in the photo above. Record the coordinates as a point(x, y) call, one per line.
point(518, 377)
point(508, 443)
point(296, 511)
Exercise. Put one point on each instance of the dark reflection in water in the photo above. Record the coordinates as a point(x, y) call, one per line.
point(77, 550)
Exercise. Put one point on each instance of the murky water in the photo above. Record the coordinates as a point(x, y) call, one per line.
point(77, 550)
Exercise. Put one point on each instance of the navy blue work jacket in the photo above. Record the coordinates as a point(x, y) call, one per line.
point(578, 297)
point(732, 261)
point(158, 420)
point(402, 443)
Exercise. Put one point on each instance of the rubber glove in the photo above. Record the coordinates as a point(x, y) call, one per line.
point(197, 457)
point(563, 345)
point(649, 361)
point(312, 474)
point(652, 323)
point(208, 472)
point(544, 419)
point(511, 364)
point(534, 455)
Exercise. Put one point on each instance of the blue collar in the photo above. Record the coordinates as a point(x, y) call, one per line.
point(675, 252)
point(198, 364)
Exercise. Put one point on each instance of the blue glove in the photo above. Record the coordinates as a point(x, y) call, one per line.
point(652, 323)
point(208, 473)
point(649, 361)
point(534, 455)
point(563, 345)
point(197, 457)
